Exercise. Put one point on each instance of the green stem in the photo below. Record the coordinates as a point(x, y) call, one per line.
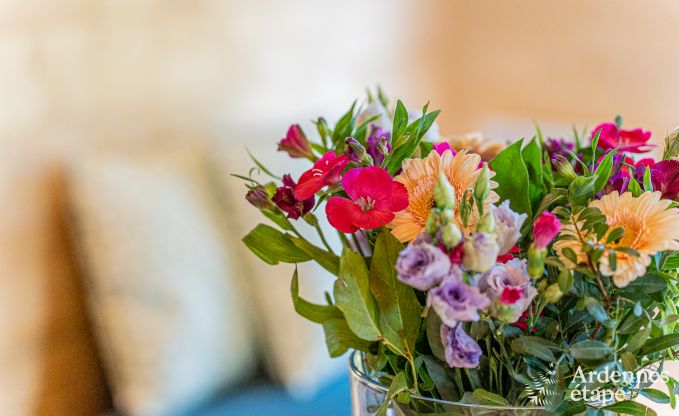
point(358, 246)
point(343, 237)
point(323, 240)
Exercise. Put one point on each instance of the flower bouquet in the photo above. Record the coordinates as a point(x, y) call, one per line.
point(475, 278)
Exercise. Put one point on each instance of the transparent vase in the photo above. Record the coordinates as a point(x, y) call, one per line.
point(368, 394)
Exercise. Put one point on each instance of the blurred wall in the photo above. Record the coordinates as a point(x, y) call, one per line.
point(498, 65)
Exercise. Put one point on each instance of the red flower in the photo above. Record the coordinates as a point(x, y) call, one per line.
point(510, 295)
point(522, 323)
point(326, 171)
point(504, 258)
point(284, 198)
point(375, 197)
point(664, 176)
point(455, 253)
point(633, 141)
point(295, 143)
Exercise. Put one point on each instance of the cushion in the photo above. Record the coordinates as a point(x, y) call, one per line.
point(169, 308)
point(48, 360)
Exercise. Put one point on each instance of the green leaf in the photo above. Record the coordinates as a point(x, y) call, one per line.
point(581, 190)
point(399, 384)
point(344, 126)
point(648, 185)
point(405, 146)
point(313, 312)
point(595, 143)
point(484, 397)
point(329, 261)
point(441, 377)
point(656, 395)
point(261, 166)
point(630, 408)
point(400, 122)
point(660, 343)
point(603, 171)
point(353, 297)
point(339, 338)
point(590, 350)
point(614, 235)
point(638, 339)
point(596, 309)
point(532, 157)
point(434, 335)
point(538, 347)
point(651, 282)
point(569, 408)
point(273, 246)
point(512, 177)
point(634, 187)
point(629, 362)
point(399, 308)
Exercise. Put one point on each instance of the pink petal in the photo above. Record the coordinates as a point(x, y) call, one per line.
point(341, 212)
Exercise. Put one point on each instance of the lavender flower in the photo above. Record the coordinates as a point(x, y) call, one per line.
point(480, 252)
point(379, 144)
point(422, 266)
point(508, 225)
point(456, 301)
point(557, 147)
point(461, 350)
point(509, 288)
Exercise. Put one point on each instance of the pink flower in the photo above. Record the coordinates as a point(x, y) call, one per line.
point(633, 141)
point(545, 229)
point(295, 143)
point(374, 198)
point(326, 171)
point(442, 147)
point(664, 176)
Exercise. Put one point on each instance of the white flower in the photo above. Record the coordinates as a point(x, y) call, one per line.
point(508, 226)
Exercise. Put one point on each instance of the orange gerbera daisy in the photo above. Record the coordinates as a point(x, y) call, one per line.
point(420, 177)
point(649, 225)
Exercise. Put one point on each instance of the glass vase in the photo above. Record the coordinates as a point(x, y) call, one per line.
point(368, 394)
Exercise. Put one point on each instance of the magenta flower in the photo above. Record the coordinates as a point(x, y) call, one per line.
point(285, 199)
point(545, 229)
point(326, 171)
point(374, 197)
point(557, 147)
point(460, 349)
point(633, 141)
point(295, 143)
point(442, 147)
point(664, 176)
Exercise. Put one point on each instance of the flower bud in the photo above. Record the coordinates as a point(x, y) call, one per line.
point(451, 235)
point(486, 223)
point(447, 216)
point(564, 167)
point(536, 261)
point(258, 197)
point(545, 229)
point(355, 152)
point(310, 219)
point(432, 223)
point(480, 252)
point(444, 193)
point(482, 185)
point(322, 127)
point(295, 143)
point(553, 293)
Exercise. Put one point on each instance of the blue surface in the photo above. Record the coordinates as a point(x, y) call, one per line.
point(269, 400)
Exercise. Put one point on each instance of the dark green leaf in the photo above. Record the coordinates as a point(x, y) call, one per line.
point(434, 335)
point(339, 338)
point(535, 347)
point(485, 397)
point(629, 362)
point(569, 408)
point(273, 246)
point(660, 343)
point(442, 379)
point(590, 350)
point(353, 297)
point(596, 309)
point(399, 308)
point(630, 408)
point(638, 339)
point(313, 312)
point(532, 157)
point(399, 384)
point(512, 177)
point(656, 395)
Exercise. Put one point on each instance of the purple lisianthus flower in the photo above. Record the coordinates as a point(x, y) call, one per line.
point(508, 226)
point(461, 350)
point(557, 147)
point(284, 198)
point(379, 144)
point(510, 289)
point(456, 301)
point(422, 266)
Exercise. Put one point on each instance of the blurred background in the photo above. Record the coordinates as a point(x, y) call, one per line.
point(123, 285)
